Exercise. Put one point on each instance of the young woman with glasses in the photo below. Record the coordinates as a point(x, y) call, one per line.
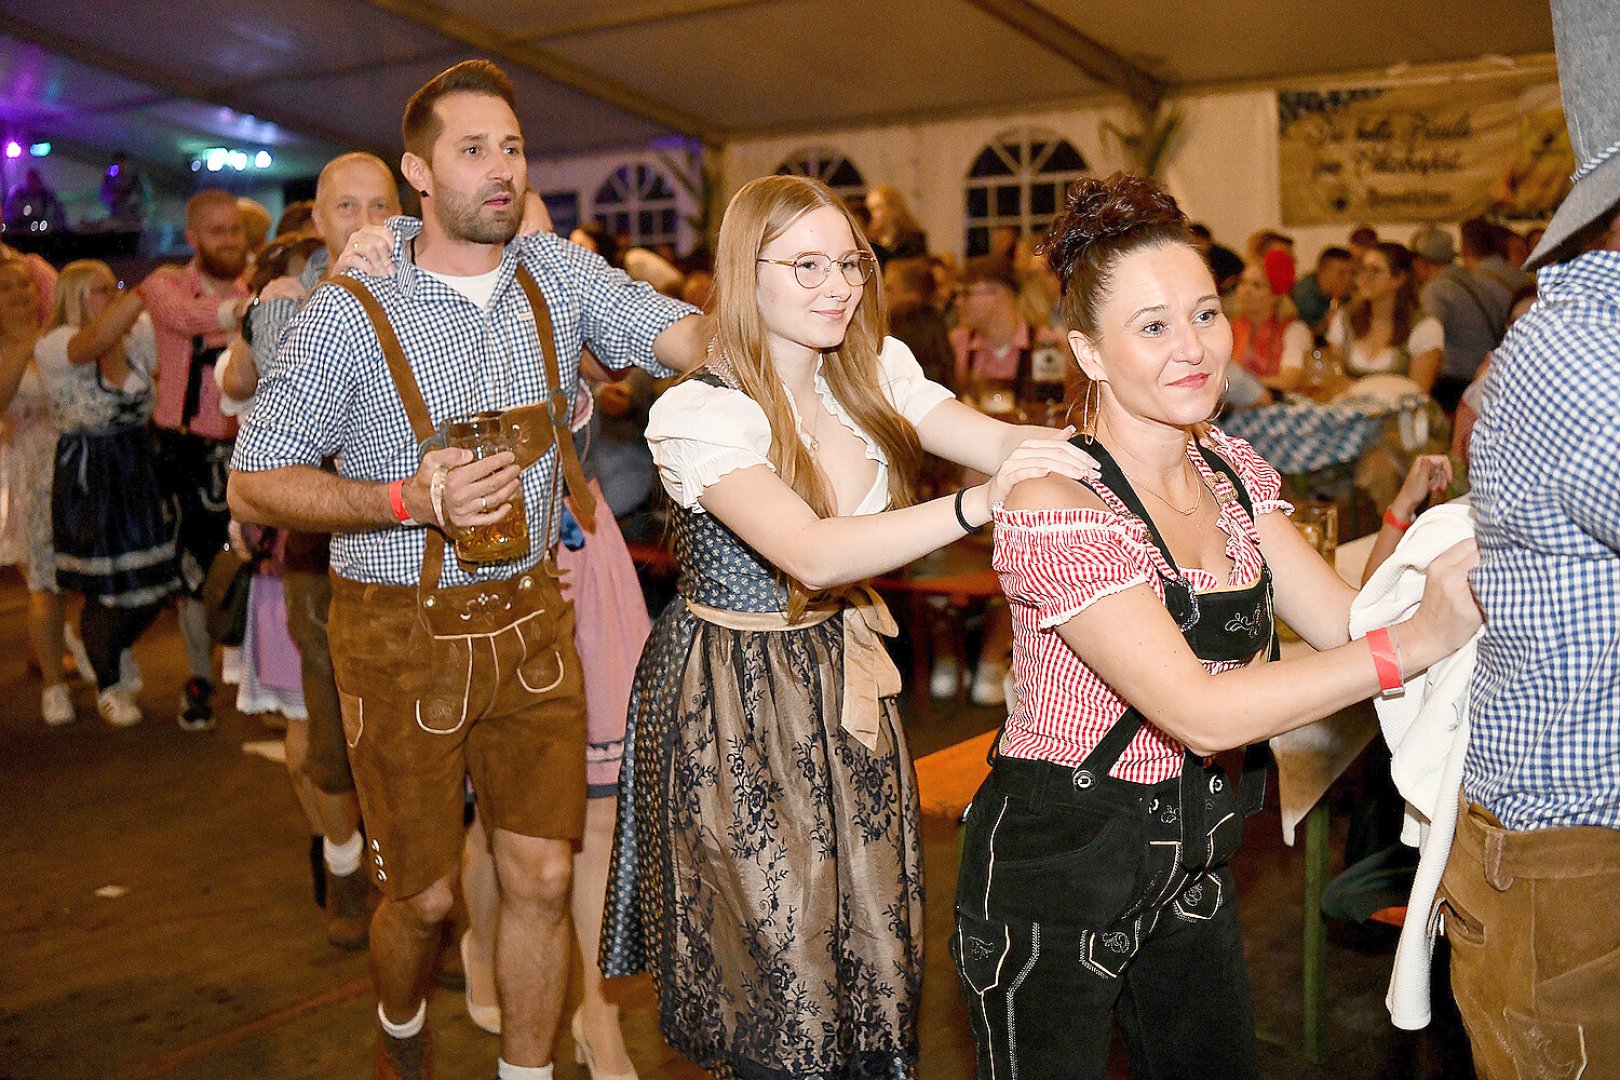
point(767, 857)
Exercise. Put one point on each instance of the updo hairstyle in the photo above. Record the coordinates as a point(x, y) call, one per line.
point(1103, 221)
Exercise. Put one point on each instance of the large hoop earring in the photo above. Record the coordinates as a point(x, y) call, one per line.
point(1088, 412)
point(1220, 405)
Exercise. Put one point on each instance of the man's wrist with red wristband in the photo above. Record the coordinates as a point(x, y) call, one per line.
point(1395, 521)
point(396, 502)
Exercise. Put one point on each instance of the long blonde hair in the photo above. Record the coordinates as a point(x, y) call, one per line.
point(901, 220)
point(72, 285)
point(763, 210)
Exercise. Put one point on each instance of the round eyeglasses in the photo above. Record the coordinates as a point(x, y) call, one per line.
point(811, 269)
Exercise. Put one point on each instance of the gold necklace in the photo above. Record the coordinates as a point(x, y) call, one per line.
point(809, 437)
point(1198, 497)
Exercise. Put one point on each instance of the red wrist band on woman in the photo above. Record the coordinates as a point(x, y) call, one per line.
point(396, 500)
point(1398, 524)
point(1386, 660)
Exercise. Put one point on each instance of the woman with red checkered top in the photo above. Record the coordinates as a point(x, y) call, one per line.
point(1094, 884)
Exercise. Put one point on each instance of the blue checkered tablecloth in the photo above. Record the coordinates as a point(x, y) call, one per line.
point(1304, 436)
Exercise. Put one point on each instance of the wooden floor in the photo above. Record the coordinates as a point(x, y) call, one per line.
point(156, 918)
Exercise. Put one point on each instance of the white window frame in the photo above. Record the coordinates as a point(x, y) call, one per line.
point(1026, 172)
point(637, 183)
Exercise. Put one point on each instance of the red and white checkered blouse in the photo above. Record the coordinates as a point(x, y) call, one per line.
point(1056, 563)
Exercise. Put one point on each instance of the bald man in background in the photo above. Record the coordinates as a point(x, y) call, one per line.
point(354, 190)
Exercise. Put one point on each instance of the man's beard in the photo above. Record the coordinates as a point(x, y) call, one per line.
point(465, 218)
point(223, 265)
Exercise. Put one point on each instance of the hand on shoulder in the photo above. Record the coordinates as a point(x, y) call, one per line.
point(284, 288)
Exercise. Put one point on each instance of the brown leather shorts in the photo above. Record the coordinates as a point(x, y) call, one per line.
point(1533, 917)
point(480, 680)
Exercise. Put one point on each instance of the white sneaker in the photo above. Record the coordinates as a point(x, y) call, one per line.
point(76, 653)
point(944, 679)
point(989, 683)
point(129, 674)
point(118, 708)
point(56, 706)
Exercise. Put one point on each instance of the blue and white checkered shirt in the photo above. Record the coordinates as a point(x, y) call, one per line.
point(269, 318)
point(328, 391)
point(1545, 470)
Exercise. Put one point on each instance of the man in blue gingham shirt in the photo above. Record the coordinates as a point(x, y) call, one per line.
point(329, 392)
point(1545, 470)
point(1531, 889)
point(498, 698)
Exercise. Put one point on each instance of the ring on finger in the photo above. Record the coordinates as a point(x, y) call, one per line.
point(483, 504)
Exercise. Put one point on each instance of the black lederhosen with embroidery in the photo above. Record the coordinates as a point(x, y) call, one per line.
point(1084, 897)
point(194, 469)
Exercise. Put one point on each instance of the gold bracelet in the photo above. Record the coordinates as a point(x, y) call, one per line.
point(436, 493)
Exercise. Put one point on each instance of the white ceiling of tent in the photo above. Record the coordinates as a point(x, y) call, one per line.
point(306, 78)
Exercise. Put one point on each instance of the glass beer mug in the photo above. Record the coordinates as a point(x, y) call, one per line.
point(485, 434)
point(995, 397)
point(1318, 522)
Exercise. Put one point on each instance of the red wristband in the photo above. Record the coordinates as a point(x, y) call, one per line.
point(1386, 659)
point(1396, 523)
point(396, 500)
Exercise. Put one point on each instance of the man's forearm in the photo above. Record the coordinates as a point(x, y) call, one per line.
point(309, 499)
point(684, 344)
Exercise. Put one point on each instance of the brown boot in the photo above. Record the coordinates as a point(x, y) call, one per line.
point(348, 914)
point(402, 1059)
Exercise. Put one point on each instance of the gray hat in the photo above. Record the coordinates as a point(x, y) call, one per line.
point(1587, 35)
point(1434, 244)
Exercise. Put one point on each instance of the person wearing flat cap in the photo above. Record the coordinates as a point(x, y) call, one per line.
point(1531, 893)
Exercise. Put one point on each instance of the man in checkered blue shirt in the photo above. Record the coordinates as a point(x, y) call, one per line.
point(422, 707)
point(1532, 887)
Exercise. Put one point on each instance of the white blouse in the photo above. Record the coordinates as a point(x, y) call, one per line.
point(699, 433)
point(1426, 336)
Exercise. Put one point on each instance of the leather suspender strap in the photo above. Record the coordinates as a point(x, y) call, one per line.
point(416, 410)
point(561, 405)
point(202, 358)
point(410, 395)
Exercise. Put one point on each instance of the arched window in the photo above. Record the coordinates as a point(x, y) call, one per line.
point(1018, 180)
point(638, 201)
point(829, 166)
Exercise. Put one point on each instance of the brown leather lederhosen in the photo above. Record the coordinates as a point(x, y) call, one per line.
point(437, 683)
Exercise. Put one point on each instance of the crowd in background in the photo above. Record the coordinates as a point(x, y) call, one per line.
point(1429, 311)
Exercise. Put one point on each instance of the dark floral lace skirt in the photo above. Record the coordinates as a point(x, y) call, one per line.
point(767, 868)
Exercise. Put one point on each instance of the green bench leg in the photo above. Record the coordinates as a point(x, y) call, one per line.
point(1315, 954)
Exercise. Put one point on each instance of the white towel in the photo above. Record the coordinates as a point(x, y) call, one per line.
point(1427, 732)
point(1420, 725)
